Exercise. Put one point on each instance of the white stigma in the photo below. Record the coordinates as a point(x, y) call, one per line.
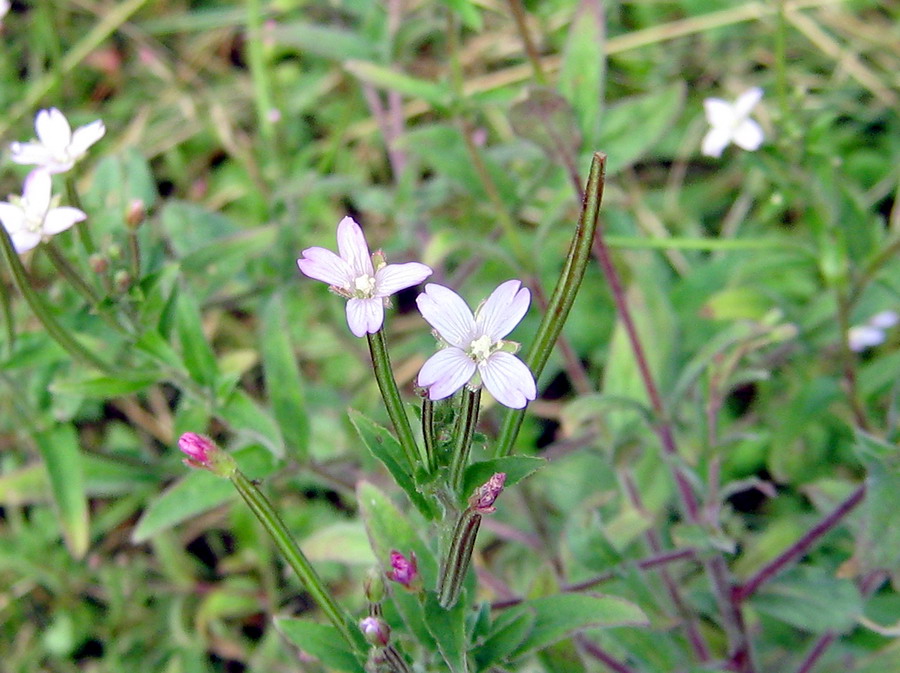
point(364, 285)
point(480, 348)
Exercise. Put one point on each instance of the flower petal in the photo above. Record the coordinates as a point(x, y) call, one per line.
point(503, 310)
point(60, 219)
point(53, 129)
point(353, 247)
point(86, 136)
point(445, 372)
point(24, 240)
point(448, 314)
point(365, 315)
point(508, 379)
point(12, 216)
point(715, 141)
point(746, 102)
point(30, 153)
point(325, 266)
point(884, 319)
point(718, 112)
point(861, 337)
point(395, 277)
point(748, 135)
point(36, 192)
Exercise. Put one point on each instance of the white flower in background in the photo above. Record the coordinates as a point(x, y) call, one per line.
point(353, 275)
point(475, 351)
point(57, 148)
point(31, 218)
point(731, 123)
point(873, 332)
point(5, 6)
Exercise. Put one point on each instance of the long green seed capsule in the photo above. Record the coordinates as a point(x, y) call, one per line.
point(457, 562)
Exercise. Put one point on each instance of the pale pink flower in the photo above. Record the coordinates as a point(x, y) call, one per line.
point(5, 6)
point(57, 147)
point(376, 631)
point(731, 123)
point(404, 571)
point(32, 218)
point(873, 332)
point(475, 351)
point(353, 275)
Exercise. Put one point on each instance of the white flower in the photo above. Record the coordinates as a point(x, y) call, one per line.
point(731, 123)
point(57, 147)
point(475, 351)
point(32, 218)
point(873, 332)
point(5, 6)
point(354, 276)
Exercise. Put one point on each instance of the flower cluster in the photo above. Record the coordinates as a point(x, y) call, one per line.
point(35, 216)
point(474, 350)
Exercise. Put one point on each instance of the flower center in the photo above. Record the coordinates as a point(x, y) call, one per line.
point(481, 348)
point(364, 286)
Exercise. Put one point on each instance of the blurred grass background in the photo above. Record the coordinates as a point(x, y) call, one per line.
point(249, 130)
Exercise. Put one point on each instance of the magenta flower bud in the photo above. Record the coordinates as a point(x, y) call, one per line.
point(482, 501)
point(376, 631)
point(203, 453)
point(404, 571)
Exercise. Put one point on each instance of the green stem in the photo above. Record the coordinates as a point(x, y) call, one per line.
point(534, 57)
point(84, 233)
point(464, 432)
point(43, 314)
point(262, 86)
point(70, 274)
point(428, 434)
point(381, 363)
point(563, 297)
point(268, 517)
point(8, 319)
point(453, 571)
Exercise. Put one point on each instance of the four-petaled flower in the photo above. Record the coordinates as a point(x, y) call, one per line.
point(475, 351)
point(353, 275)
point(31, 218)
point(57, 147)
point(731, 123)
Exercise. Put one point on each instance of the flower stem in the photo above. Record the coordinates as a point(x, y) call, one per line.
point(381, 363)
point(453, 571)
point(563, 296)
point(265, 512)
point(428, 434)
point(464, 432)
point(43, 314)
point(84, 233)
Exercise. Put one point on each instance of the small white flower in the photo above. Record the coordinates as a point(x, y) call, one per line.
point(31, 218)
point(5, 6)
point(57, 147)
point(475, 351)
point(731, 123)
point(354, 276)
point(873, 332)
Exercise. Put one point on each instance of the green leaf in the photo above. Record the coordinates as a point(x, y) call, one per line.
point(811, 600)
point(250, 421)
point(583, 71)
point(448, 629)
point(103, 387)
point(62, 458)
point(467, 11)
point(631, 127)
point(737, 303)
point(558, 616)
point(328, 42)
point(385, 447)
point(388, 529)
point(322, 641)
point(516, 469)
point(284, 383)
point(343, 542)
point(195, 349)
point(507, 633)
point(437, 95)
point(198, 492)
point(879, 540)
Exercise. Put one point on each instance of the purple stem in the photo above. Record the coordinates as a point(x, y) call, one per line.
point(801, 546)
point(818, 649)
point(602, 655)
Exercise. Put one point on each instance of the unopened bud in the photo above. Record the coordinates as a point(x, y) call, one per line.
point(376, 631)
point(122, 280)
point(378, 260)
point(136, 213)
point(374, 586)
point(98, 263)
point(482, 501)
point(203, 453)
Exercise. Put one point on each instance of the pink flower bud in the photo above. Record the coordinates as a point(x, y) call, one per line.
point(376, 631)
point(482, 501)
point(197, 448)
point(404, 571)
